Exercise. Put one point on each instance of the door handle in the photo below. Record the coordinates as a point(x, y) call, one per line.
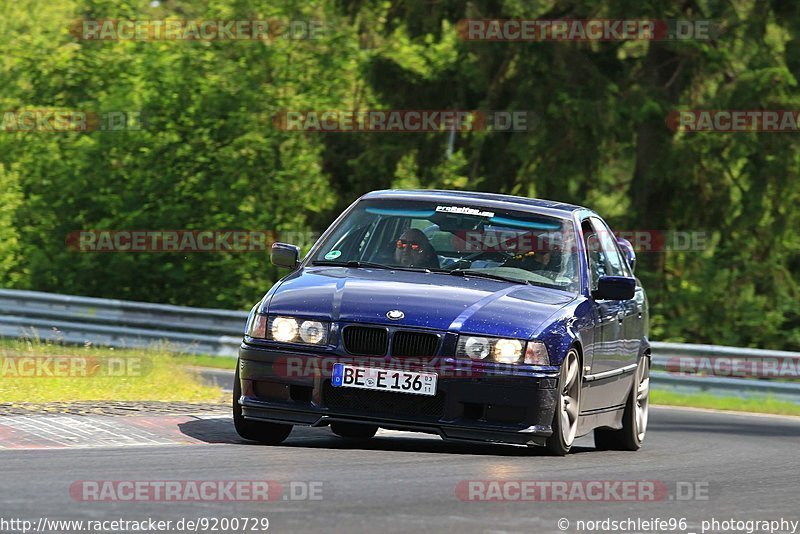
point(620, 316)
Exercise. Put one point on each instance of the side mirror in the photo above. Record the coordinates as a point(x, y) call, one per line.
point(628, 252)
point(615, 288)
point(285, 255)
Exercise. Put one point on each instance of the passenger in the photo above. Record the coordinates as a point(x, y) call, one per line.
point(537, 261)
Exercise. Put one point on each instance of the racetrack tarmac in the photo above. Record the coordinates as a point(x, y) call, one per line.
point(703, 465)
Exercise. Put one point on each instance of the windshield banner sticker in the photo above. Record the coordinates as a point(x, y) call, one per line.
point(465, 211)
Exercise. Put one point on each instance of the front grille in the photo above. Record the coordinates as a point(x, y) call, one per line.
point(365, 341)
point(414, 344)
point(366, 402)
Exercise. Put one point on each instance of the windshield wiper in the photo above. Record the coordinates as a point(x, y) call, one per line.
point(360, 264)
point(481, 274)
point(352, 263)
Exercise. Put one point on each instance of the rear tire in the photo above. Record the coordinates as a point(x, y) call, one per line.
point(634, 419)
point(353, 430)
point(260, 431)
point(568, 402)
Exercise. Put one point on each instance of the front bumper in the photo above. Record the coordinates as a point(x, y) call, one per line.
point(287, 387)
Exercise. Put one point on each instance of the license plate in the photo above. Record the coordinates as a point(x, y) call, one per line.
point(350, 376)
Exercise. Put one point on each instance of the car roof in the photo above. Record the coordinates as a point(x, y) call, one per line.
point(541, 206)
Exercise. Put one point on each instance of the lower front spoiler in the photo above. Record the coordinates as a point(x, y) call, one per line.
point(268, 412)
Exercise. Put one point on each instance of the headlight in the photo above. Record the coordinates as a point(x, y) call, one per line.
point(502, 350)
point(507, 350)
point(283, 329)
point(476, 348)
point(293, 330)
point(312, 332)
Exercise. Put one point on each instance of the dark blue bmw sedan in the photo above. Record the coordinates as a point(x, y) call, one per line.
point(473, 316)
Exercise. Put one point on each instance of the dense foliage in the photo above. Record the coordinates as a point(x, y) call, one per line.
point(210, 156)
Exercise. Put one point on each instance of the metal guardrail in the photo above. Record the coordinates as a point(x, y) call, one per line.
point(669, 359)
point(126, 324)
point(664, 352)
point(119, 323)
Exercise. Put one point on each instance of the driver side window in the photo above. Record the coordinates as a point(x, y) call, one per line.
point(615, 264)
point(602, 253)
point(593, 254)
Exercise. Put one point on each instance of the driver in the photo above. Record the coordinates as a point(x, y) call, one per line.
point(414, 250)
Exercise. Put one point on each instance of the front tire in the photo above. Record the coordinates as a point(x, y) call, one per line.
point(353, 430)
point(634, 419)
point(260, 431)
point(565, 420)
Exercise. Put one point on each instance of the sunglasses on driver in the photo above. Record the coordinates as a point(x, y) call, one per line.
point(402, 244)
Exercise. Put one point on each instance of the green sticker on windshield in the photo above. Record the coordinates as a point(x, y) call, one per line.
point(333, 254)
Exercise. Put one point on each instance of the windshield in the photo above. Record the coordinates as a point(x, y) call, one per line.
point(458, 239)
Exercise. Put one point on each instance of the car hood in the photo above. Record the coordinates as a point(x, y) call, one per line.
point(428, 300)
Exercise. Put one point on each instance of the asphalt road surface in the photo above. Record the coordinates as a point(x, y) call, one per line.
point(712, 465)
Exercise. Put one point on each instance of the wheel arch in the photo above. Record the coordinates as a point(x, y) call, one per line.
point(645, 350)
point(578, 346)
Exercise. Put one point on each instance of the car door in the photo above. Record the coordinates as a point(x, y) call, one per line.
point(612, 355)
point(631, 331)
